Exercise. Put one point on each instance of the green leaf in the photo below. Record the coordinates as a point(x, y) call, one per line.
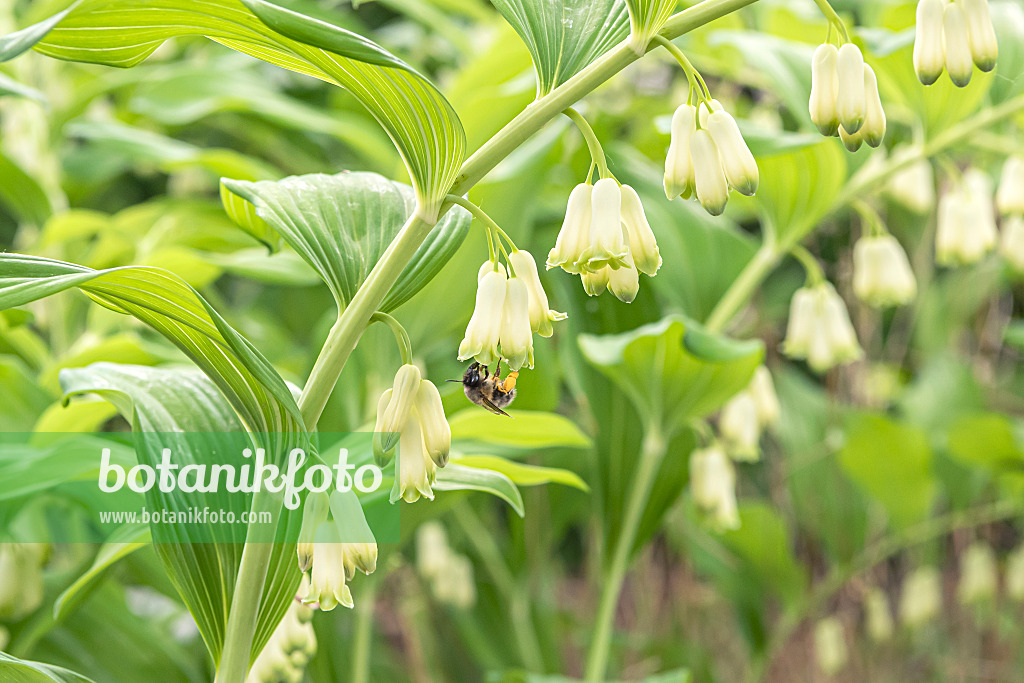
point(528, 429)
point(417, 117)
point(564, 36)
point(764, 546)
point(9, 86)
point(892, 462)
point(342, 224)
point(22, 195)
point(458, 478)
point(646, 17)
point(668, 382)
point(986, 440)
point(121, 543)
point(523, 475)
point(14, 670)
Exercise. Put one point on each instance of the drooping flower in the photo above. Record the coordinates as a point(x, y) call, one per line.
point(1010, 196)
point(872, 130)
point(830, 646)
point(393, 411)
point(1015, 575)
point(1011, 244)
point(825, 89)
point(541, 317)
point(643, 247)
point(762, 390)
point(921, 600)
point(979, 574)
point(327, 584)
point(314, 514)
point(966, 223)
point(437, 434)
point(679, 174)
point(713, 485)
point(959, 60)
point(483, 334)
point(878, 616)
point(981, 34)
point(711, 184)
point(516, 331)
point(737, 161)
point(929, 41)
point(881, 272)
point(415, 471)
point(851, 102)
point(740, 428)
point(574, 237)
point(819, 329)
point(608, 245)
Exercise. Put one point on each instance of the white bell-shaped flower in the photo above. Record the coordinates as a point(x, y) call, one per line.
point(966, 228)
point(679, 176)
point(437, 434)
point(959, 60)
point(643, 247)
point(455, 585)
point(737, 161)
point(825, 89)
point(981, 34)
point(483, 333)
point(314, 514)
point(624, 283)
point(820, 330)
point(929, 41)
point(608, 246)
point(914, 186)
point(1010, 196)
point(851, 103)
point(766, 401)
point(921, 600)
point(740, 428)
point(979, 574)
point(327, 579)
point(415, 470)
point(432, 550)
point(574, 237)
point(830, 646)
point(878, 616)
point(541, 317)
point(711, 184)
point(713, 485)
point(881, 272)
point(1011, 243)
point(395, 411)
point(873, 130)
point(595, 283)
point(516, 331)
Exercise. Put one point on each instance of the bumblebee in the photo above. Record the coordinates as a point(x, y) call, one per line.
point(489, 391)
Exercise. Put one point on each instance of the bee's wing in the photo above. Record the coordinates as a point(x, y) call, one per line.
point(491, 407)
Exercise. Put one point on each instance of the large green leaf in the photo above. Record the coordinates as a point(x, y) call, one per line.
point(564, 36)
point(183, 410)
point(530, 429)
point(458, 478)
point(523, 475)
point(121, 543)
point(14, 670)
point(673, 374)
point(646, 17)
point(342, 224)
point(416, 116)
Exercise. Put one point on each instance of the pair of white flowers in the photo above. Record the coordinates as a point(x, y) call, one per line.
point(606, 240)
point(955, 35)
point(1010, 202)
point(707, 155)
point(747, 414)
point(508, 311)
point(411, 416)
point(819, 329)
point(844, 96)
point(882, 275)
point(330, 561)
point(967, 222)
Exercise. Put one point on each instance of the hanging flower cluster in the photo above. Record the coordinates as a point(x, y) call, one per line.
point(967, 223)
point(747, 414)
point(819, 328)
point(449, 573)
point(291, 646)
point(410, 415)
point(713, 485)
point(844, 96)
point(882, 275)
point(707, 155)
point(332, 560)
point(1010, 202)
point(606, 240)
point(957, 36)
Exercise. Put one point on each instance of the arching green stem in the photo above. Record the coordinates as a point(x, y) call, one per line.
point(697, 83)
point(834, 19)
point(593, 144)
point(815, 275)
point(401, 336)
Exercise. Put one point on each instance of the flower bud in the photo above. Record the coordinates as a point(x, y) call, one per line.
point(397, 410)
point(1015, 575)
point(830, 646)
point(922, 597)
point(713, 485)
point(711, 183)
point(679, 179)
point(624, 283)
point(607, 240)
point(979, 575)
point(851, 103)
point(596, 283)
point(929, 43)
point(516, 332)
point(415, 472)
point(314, 514)
point(484, 330)
point(825, 89)
point(878, 616)
point(1011, 245)
point(874, 114)
point(541, 317)
point(959, 60)
point(437, 435)
point(766, 402)
point(913, 186)
point(736, 159)
point(881, 272)
point(1010, 197)
point(740, 428)
point(852, 141)
point(643, 247)
point(574, 237)
point(981, 34)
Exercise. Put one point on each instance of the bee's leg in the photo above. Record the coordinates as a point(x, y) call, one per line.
point(497, 371)
point(510, 382)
